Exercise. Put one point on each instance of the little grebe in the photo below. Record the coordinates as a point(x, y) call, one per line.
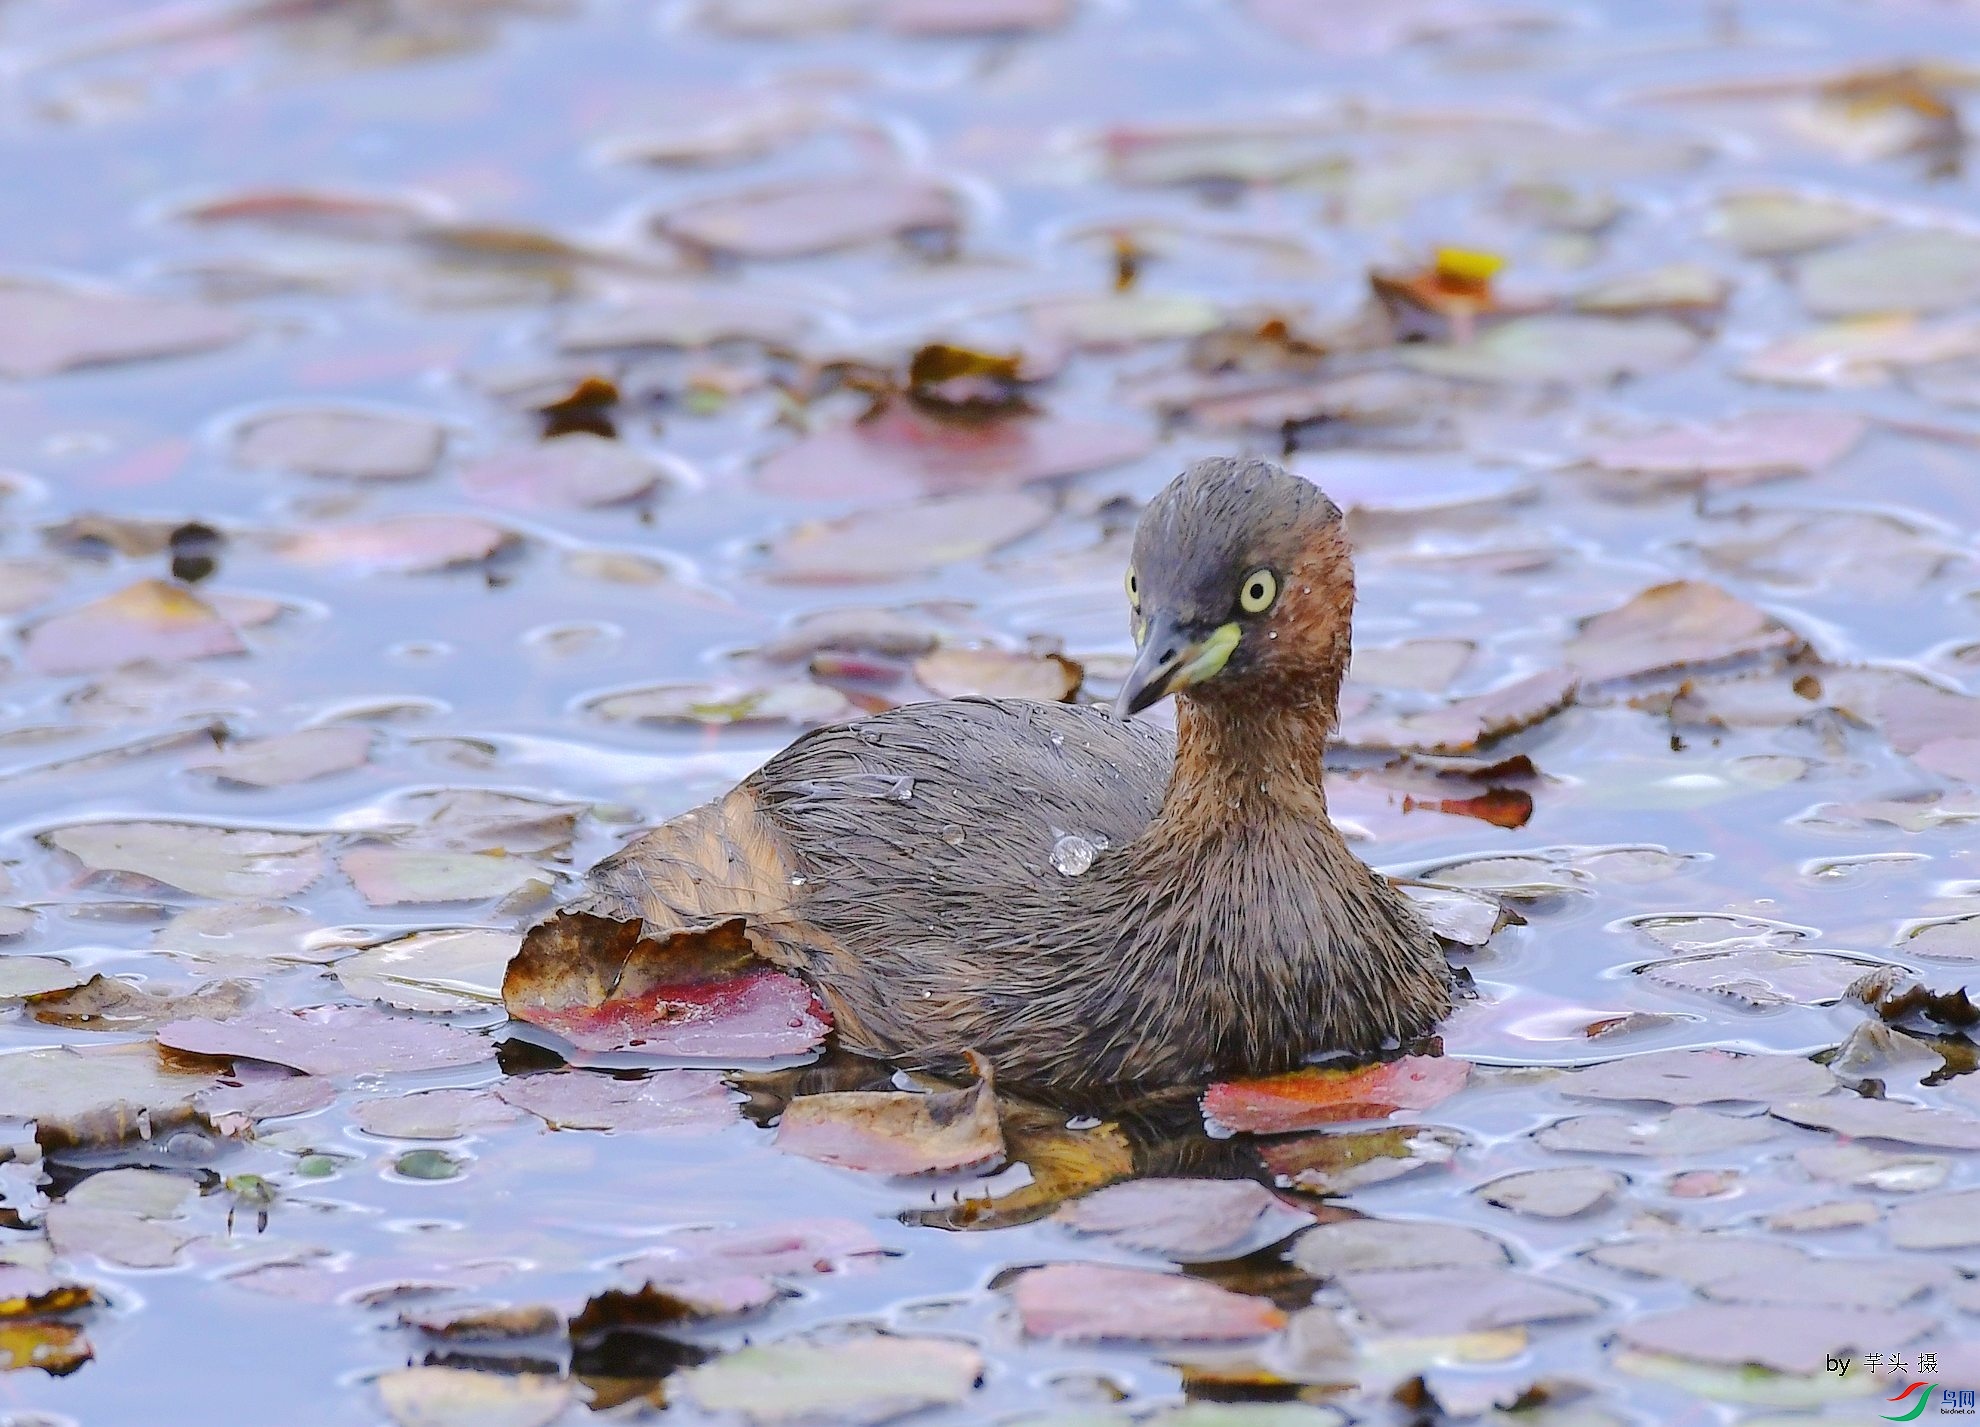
point(927, 868)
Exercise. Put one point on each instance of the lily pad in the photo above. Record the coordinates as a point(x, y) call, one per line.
point(1361, 1245)
point(602, 985)
point(97, 1096)
point(445, 1114)
point(1554, 1193)
point(22, 976)
point(1686, 1130)
point(1680, 625)
point(391, 876)
point(1895, 1120)
point(1789, 1340)
point(1437, 1302)
point(288, 758)
point(1700, 1077)
point(1939, 1223)
point(1752, 445)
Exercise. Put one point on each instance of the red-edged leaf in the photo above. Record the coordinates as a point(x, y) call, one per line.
point(603, 986)
point(1308, 1099)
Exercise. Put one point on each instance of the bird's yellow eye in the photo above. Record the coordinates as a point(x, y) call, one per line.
point(1133, 588)
point(1259, 589)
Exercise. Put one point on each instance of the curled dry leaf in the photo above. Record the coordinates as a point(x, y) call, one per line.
point(802, 217)
point(349, 443)
point(1680, 625)
point(952, 672)
point(1083, 1302)
point(1307, 1099)
point(45, 330)
point(397, 544)
point(896, 1132)
point(594, 1100)
point(894, 542)
point(206, 861)
point(150, 620)
point(603, 985)
point(330, 1040)
point(870, 1378)
point(1189, 1220)
point(902, 451)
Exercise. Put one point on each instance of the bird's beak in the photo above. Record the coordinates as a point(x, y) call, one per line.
point(1169, 660)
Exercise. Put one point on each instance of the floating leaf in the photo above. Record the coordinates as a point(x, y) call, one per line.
point(593, 1100)
point(1189, 1220)
point(152, 619)
point(460, 1397)
point(30, 1293)
point(1902, 270)
point(1789, 1340)
point(1561, 348)
point(1435, 1302)
point(458, 969)
point(1761, 977)
point(1750, 446)
point(888, 1132)
point(1082, 1302)
point(874, 1377)
point(1955, 940)
point(330, 1040)
point(1862, 352)
point(894, 542)
point(434, 1114)
point(1306, 1099)
point(1679, 625)
point(1896, 1120)
point(953, 672)
point(801, 217)
point(902, 451)
point(1339, 1162)
point(45, 330)
point(110, 1003)
point(97, 1096)
point(392, 876)
point(1465, 725)
point(1686, 1130)
point(573, 471)
point(1554, 1193)
point(398, 544)
point(239, 1104)
point(683, 317)
point(1777, 222)
point(602, 985)
point(33, 975)
point(206, 861)
point(288, 758)
point(1939, 1223)
point(1700, 1077)
point(1360, 1245)
point(349, 443)
point(718, 705)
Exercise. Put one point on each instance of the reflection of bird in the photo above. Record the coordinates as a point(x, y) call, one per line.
point(1095, 904)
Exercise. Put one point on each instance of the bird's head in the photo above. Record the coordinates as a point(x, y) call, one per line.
point(1241, 588)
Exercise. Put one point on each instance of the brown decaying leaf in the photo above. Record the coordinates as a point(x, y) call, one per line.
point(899, 1133)
point(602, 984)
